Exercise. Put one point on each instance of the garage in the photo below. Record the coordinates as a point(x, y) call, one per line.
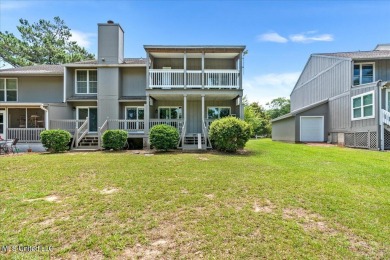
point(312, 129)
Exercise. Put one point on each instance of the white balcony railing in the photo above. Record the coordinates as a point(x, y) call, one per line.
point(25, 134)
point(177, 123)
point(131, 126)
point(169, 79)
point(66, 124)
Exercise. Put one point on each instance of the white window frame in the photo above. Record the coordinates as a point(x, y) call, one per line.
point(75, 79)
point(219, 116)
point(5, 90)
point(137, 107)
point(387, 99)
point(361, 107)
point(77, 114)
point(178, 107)
point(360, 72)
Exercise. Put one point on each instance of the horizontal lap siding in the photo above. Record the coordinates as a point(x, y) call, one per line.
point(314, 88)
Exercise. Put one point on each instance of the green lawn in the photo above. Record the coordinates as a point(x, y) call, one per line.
point(275, 201)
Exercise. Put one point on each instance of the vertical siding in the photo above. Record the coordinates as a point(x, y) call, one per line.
point(364, 124)
point(382, 70)
point(311, 89)
point(284, 130)
point(340, 114)
point(133, 81)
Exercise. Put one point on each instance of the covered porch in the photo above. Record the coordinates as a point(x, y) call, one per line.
point(23, 121)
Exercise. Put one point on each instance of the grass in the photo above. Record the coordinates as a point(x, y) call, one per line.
point(276, 201)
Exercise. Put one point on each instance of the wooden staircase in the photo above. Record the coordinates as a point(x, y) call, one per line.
point(88, 143)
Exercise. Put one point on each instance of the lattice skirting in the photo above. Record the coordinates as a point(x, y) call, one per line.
point(387, 139)
point(367, 140)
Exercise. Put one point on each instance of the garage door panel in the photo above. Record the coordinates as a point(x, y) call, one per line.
point(312, 129)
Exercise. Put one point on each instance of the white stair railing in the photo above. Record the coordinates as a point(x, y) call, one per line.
point(206, 135)
point(386, 117)
point(182, 135)
point(101, 131)
point(81, 132)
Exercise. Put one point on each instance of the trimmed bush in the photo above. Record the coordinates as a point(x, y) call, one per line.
point(55, 140)
point(163, 137)
point(114, 139)
point(229, 134)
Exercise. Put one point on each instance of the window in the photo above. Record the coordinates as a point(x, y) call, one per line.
point(363, 73)
point(86, 81)
point(363, 106)
point(135, 113)
point(8, 90)
point(217, 112)
point(169, 112)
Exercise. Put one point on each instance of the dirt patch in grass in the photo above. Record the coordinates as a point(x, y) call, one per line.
point(50, 198)
point(210, 196)
point(267, 206)
point(312, 222)
point(107, 191)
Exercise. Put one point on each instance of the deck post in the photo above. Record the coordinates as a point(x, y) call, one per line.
point(203, 114)
point(146, 120)
point(184, 116)
point(185, 70)
point(240, 106)
point(147, 70)
point(202, 69)
point(240, 75)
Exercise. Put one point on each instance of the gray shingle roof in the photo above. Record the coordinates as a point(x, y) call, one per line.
point(127, 61)
point(82, 98)
point(35, 70)
point(361, 55)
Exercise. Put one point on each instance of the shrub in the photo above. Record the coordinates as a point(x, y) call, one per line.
point(229, 134)
point(55, 140)
point(114, 139)
point(163, 137)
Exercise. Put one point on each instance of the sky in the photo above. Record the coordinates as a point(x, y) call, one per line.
point(280, 36)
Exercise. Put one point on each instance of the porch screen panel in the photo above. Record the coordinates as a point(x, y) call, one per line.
point(35, 118)
point(17, 118)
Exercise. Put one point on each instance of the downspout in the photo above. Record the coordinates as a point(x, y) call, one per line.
point(46, 116)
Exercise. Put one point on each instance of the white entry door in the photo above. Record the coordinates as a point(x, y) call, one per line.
point(312, 129)
point(2, 125)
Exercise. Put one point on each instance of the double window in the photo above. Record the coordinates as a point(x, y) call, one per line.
point(363, 73)
point(217, 112)
point(8, 90)
point(169, 113)
point(363, 106)
point(86, 81)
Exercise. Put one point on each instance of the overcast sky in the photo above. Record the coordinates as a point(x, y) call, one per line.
point(279, 35)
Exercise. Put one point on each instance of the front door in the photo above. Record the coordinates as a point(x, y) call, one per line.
point(91, 113)
point(2, 125)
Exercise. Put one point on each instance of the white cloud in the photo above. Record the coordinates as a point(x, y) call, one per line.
point(311, 37)
point(271, 37)
point(13, 5)
point(83, 39)
point(264, 88)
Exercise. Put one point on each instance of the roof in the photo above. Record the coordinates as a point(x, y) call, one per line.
point(83, 98)
point(51, 70)
point(195, 48)
point(303, 109)
point(132, 98)
point(360, 55)
point(132, 61)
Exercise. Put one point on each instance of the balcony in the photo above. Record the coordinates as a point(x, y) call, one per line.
point(179, 79)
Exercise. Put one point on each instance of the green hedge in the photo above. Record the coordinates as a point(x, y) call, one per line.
point(163, 137)
point(229, 134)
point(114, 139)
point(55, 140)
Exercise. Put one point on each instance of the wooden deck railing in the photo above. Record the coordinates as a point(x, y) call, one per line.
point(25, 134)
point(386, 117)
point(126, 124)
point(66, 124)
point(177, 123)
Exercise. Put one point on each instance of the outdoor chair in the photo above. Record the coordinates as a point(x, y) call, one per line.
point(12, 147)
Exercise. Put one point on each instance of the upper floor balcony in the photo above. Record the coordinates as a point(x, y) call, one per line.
point(194, 67)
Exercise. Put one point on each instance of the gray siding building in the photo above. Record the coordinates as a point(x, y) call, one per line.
point(186, 87)
point(341, 98)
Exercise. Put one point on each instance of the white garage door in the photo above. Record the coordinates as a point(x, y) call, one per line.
point(312, 129)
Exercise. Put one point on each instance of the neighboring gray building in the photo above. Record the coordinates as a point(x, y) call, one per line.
point(341, 98)
point(183, 86)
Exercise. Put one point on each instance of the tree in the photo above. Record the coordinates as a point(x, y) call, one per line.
point(278, 107)
point(257, 117)
point(43, 42)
